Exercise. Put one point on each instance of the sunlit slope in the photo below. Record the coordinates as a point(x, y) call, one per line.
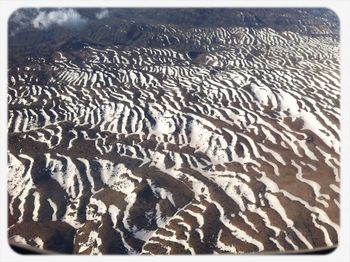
point(131, 149)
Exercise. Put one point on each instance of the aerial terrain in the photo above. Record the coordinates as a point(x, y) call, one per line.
point(173, 131)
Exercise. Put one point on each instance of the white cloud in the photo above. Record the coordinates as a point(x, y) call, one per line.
point(18, 21)
point(18, 17)
point(103, 14)
point(62, 17)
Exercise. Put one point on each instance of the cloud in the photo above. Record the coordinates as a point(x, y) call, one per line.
point(20, 19)
point(61, 17)
point(102, 14)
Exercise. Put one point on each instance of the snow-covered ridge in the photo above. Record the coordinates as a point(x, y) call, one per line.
point(147, 150)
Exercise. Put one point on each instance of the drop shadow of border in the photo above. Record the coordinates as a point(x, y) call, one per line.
point(28, 250)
